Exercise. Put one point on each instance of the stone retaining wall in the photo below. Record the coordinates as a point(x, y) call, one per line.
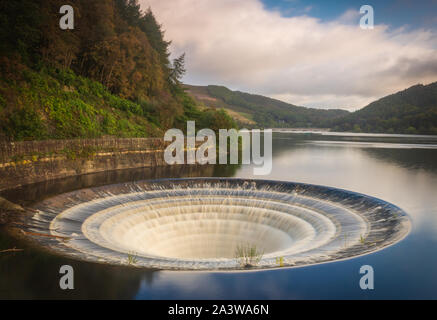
point(27, 162)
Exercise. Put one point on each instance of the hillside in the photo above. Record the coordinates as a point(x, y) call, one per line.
point(111, 75)
point(413, 110)
point(262, 111)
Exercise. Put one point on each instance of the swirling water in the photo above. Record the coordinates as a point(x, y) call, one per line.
point(382, 167)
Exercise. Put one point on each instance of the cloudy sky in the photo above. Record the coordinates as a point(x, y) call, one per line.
point(310, 53)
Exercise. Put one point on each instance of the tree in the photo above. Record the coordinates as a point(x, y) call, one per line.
point(20, 29)
point(155, 34)
point(111, 74)
point(178, 70)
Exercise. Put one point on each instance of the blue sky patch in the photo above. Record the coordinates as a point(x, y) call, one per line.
point(394, 13)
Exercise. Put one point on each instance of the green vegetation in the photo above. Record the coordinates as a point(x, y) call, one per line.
point(280, 261)
point(59, 104)
point(86, 152)
point(132, 259)
point(412, 111)
point(248, 255)
point(111, 75)
point(263, 111)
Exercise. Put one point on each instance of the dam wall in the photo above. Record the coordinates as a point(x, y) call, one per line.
point(28, 162)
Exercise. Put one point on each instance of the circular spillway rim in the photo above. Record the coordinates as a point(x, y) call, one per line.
point(283, 186)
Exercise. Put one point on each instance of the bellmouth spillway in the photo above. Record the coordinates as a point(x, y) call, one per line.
point(199, 223)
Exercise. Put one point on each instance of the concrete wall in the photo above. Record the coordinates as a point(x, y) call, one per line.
point(27, 162)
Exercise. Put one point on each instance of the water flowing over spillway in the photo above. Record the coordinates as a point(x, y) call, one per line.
point(200, 223)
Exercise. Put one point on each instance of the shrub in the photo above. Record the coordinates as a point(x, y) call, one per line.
point(248, 255)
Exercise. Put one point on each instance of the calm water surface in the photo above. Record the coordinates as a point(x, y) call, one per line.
point(398, 169)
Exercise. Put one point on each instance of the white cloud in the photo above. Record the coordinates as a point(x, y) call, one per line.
point(349, 17)
point(240, 44)
point(330, 101)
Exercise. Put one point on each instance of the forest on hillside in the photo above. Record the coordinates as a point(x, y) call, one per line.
point(411, 111)
point(268, 112)
point(111, 75)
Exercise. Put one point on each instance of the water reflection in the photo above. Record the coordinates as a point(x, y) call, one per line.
point(409, 159)
point(34, 273)
point(405, 177)
point(35, 192)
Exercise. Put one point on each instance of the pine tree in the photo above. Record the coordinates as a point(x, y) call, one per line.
point(156, 36)
point(178, 70)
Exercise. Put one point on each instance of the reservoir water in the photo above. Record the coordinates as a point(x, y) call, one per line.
point(398, 169)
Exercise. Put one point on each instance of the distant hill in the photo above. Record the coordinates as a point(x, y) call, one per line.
point(256, 110)
point(413, 110)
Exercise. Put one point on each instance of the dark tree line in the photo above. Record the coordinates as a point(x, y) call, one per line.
point(412, 111)
point(113, 43)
